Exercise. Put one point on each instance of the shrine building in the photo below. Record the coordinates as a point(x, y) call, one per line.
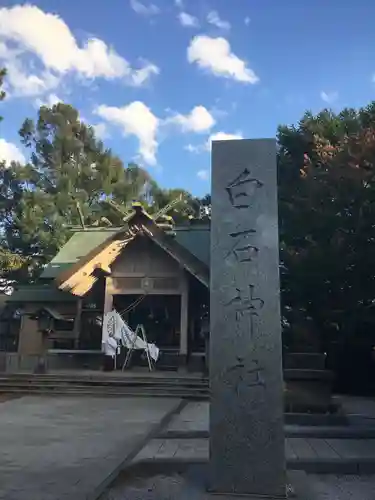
point(153, 274)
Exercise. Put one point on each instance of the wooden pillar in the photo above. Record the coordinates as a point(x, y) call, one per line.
point(184, 325)
point(30, 338)
point(108, 296)
point(107, 307)
point(77, 323)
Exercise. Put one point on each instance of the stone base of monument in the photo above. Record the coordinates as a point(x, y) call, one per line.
point(308, 385)
point(307, 391)
point(297, 487)
point(175, 480)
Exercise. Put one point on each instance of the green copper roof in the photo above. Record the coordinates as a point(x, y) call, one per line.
point(40, 293)
point(196, 239)
point(80, 244)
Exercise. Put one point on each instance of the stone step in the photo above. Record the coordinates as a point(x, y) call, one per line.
point(319, 456)
point(114, 388)
point(290, 431)
point(331, 432)
point(307, 374)
point(110, 387)
point(119, 386)
point(312, 419)
point(289, 374)
point(191, 395)
point(304, 360)
point(104, 383)
point(121, 378)
point(176, 385)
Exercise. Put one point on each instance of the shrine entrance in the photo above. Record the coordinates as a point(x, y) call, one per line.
point(159, 314)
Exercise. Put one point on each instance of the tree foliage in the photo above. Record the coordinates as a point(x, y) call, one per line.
point(327, 219)
point(2, 93)
point(12, 265)
point(70, 172)
point(326, 169)
point(68, 181)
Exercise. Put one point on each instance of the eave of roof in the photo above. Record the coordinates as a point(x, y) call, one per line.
point(40, 293)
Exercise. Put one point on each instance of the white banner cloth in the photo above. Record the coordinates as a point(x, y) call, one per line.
point(116, 331)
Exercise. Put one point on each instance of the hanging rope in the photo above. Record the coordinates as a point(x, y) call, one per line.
point(133, 305)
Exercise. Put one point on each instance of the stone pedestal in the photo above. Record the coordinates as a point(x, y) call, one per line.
point(246, 417)
point(308, 385)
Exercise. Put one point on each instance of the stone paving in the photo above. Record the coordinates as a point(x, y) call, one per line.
point(189, 485)
point(64, 447)
point(194, 417)
point(56, 448)
point(296, 450)
point(182, 441)
point(353, 406)
point(333, 487)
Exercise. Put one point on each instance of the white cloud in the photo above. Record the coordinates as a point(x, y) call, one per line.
point(101, 130)
point(247, 20)
point(53, 99)
point(215, 55)
point(49, 101)
point(222, 136)
point(194, 149)
point(179, 3)
point(26, 30)
point(138, 120)
point(214, 19)
point(217, 136)
point(10, 152)
point(188, 20)
point(83, 119)
point(26, 84)
point(144, 10)
point(329, 97)
point(203, 175)
point(198, 120)
point(140, 76)
point(3, 50)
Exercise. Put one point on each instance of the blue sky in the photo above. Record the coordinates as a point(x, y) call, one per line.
point(159, 79)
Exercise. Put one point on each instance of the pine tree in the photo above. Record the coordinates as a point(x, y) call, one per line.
point(69, 176)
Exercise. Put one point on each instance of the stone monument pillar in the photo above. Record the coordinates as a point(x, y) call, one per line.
point(246, 415)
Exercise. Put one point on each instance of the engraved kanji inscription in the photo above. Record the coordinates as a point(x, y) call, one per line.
point(242, 189)
point(248, 376)
point(246, 303)
point(242, 250)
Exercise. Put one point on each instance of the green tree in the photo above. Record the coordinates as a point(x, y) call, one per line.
point(12, 265)
point(2, 93)
point(69, 176)
point(136, 184)
point(182, 210)
point(326, 206)
point(69, 168)
point(68, 182)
